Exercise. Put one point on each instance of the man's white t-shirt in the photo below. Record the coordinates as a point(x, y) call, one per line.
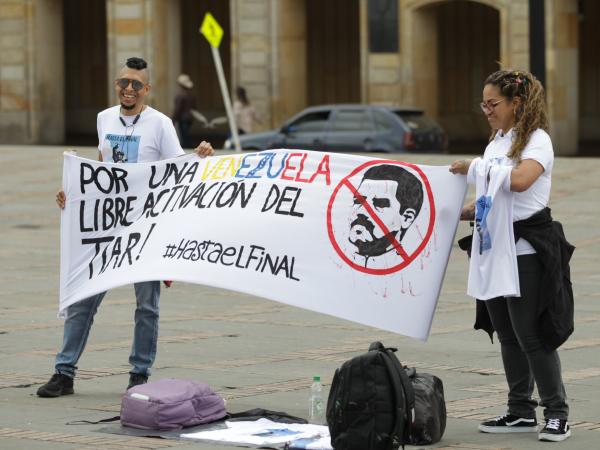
point(526, 203)
point(151, 138)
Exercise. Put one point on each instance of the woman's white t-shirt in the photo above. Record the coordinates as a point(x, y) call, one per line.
point(526, 203)
point(151, 138)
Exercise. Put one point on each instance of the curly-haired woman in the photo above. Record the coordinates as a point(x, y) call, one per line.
point(538, 318)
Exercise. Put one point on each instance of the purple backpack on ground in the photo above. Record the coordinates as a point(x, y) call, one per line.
point(170, 404)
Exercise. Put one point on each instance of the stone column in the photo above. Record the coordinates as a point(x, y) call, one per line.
point(148, 29)
point(419, 45)
point(31, 72)
point(562, 66)
point(514, 34)
point(290, 86)
point(255, 53)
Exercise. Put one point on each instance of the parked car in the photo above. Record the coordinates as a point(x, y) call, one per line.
point(352, 127)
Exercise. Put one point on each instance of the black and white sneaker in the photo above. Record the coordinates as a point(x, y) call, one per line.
point(556, 430)
point(509, 423)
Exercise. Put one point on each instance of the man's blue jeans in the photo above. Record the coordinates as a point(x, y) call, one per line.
point(80, 317)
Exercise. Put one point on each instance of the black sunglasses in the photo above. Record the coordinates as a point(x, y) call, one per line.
point(123, 83)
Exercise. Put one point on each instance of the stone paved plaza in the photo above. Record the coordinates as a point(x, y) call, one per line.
point(254, 352)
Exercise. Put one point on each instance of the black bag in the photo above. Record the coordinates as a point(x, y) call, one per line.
point(370, 402)
point(430, 408)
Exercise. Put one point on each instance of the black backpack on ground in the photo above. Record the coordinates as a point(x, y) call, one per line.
point(429, 421)
point(371, 401)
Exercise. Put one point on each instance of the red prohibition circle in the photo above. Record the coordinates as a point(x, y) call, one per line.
point(407, 258)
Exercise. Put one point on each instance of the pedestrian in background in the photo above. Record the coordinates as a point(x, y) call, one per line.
point(531, 326)
point(184, 103)
point(244, 111)
point(129, 132)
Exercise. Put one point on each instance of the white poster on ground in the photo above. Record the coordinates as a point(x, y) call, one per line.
point(358, 238)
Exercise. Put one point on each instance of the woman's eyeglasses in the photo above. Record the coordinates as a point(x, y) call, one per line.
point(123, 83)
point(488, 107)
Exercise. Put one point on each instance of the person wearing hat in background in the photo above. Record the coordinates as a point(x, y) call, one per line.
point(184, 103)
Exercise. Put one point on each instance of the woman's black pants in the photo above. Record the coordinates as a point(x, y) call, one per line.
point(525, 359)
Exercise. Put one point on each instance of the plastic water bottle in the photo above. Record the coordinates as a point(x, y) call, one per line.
point(316, 407)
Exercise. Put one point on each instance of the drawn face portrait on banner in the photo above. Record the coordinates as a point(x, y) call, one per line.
point(381, 217)
point(386, 204)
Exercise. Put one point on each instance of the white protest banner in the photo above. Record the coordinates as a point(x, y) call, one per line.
point(363, 239)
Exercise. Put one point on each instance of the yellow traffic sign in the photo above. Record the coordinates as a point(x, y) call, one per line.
point(211, 30)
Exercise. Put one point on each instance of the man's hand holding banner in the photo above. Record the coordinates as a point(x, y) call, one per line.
point(354, 237)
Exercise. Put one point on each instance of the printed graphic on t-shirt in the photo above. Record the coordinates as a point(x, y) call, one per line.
point(123, 148)
point(498, 161)
point(482, 208)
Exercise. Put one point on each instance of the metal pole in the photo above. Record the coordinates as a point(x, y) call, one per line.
point(226, 99)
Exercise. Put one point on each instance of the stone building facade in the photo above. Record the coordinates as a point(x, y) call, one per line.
point(58, 59)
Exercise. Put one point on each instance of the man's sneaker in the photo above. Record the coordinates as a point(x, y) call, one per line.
point(136, 379)
point(509, 423)
point(58, 385)
point(556, 430)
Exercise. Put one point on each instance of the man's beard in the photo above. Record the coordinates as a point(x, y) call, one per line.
point(375, 246)
point(128, 107)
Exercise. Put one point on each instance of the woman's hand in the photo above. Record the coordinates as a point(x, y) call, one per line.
point(468, 211)
point(204, 149)
point(61, 198)
point(460, 166)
